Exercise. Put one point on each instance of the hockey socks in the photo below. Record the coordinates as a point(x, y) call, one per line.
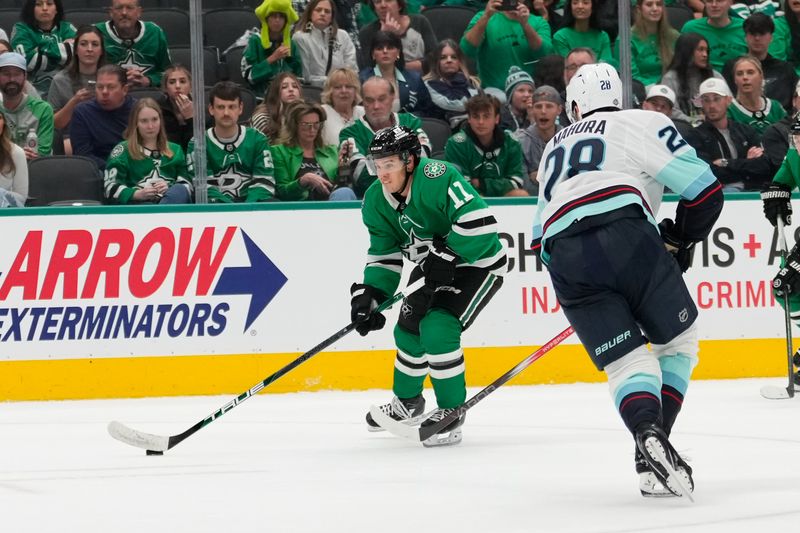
point(637, 400)
point(675, 373)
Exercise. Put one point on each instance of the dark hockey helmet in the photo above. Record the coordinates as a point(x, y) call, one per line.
point(395, 140)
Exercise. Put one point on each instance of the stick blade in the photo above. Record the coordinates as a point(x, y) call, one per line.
point(139, 439)
point(393, 426)
point(773, 392)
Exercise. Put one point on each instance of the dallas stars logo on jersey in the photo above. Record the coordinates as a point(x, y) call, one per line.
point(147, 51)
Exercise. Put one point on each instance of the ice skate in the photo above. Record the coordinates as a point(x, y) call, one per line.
point(407, 410)
point(450, 434)
point(649, 485)
point(669, 469)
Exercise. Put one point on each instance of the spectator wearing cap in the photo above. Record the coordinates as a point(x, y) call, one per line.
point(661, 99)
point(499, 39)
point(775, 139)
point(515, 113)
point(547, 106)
point(24, 114)
point(725, 35)
point(733, 149)
point(487, 156)
point(779, 76)
point(271, 51)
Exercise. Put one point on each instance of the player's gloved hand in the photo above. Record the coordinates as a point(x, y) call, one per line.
point(440, 265)
point(777, 200)
point(365, 299)
point(681, 250)
point(788, 279)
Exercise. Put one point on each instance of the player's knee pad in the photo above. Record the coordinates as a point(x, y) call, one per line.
point(685, 344)
point(440, 332)
point(636, 370)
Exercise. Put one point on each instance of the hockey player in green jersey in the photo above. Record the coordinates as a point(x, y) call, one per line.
point(425, 211)
point(378, 95)
point(145, 167)
point(137, 46)
point(777, 198)
point(239, 162)
point(489, 157)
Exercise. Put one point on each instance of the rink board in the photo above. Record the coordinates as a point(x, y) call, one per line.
point(129, 302)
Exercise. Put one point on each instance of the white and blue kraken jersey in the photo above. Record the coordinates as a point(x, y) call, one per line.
point(609, 160)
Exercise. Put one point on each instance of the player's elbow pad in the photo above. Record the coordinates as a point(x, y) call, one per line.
point(696, 217)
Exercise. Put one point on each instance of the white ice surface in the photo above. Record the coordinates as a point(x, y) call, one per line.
point(533, 459)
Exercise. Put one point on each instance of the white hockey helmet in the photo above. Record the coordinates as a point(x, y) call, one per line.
point(593, 87)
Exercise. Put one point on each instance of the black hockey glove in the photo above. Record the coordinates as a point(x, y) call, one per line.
point(788, 279)
point(777, 200)
point(440, 265)
point(365, 299)
point(682, 251)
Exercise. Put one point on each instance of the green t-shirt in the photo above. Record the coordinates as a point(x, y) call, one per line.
point(725, 43)
point(361, 134)
point(441, 203)
point(498, 171)
point(566, 39)
point(646, 64)
point(124, 174)
point(44, 51)
point(760, 120)
point(147, 51)
point(504, 45)
point(239, 170)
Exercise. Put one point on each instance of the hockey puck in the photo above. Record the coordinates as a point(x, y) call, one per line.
point(154, 452)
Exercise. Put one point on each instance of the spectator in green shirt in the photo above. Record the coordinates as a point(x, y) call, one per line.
point(750, 105)
point(725, 35)
point(652, 41)
point(581, 29)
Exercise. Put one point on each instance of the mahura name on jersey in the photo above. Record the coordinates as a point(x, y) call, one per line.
point(114, 283)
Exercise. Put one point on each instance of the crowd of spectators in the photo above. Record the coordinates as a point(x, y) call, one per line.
point(728, 78)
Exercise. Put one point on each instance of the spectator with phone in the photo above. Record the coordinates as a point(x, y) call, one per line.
point(414, 31)
point(501, 36)
point(76, 83)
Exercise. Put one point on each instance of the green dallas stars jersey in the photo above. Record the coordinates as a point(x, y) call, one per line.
point(44, 51)
point(361, 134)
point(240, 170)
point(760, 120)
point(147, 51)
point(498, 171)
point(124, 174)
point(440, 203)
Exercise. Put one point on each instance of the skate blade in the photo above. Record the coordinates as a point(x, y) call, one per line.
point(677, 483)
point(443, 439)
point(413, 421)
point(651, 487)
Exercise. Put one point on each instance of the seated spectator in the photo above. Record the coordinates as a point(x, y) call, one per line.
point(449, 83)
point(98, 124)
point(581, 29)
point(576, 58)
point(688, 69)
point(13, 170)
point(145, 168)
point(661, 99)
point(549, 10)
point(268, 116)
point(515, 113)
point(550, 71)
point(177, 108)
point(354, 140)
point(652, 41)
point(30, 119)
point(345, 14)
point(305, 168)
point(779, 76)
point(411, 95)
point(724, 35)
point(139, 47)
point(499, 39)
point(750, 105)
point(775, 139)
point(414, 32)
point(547, 106)
point(487, 156)
point(732, 149)
point(321, 44)
point(272, 51)
point(29, 89)
point(238, 160)
point(45, 39)
point(75, 83)
point(341, 97)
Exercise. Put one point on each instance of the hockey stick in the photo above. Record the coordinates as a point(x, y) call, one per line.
point(158, 444)
point(420, 434)
point(773, 392)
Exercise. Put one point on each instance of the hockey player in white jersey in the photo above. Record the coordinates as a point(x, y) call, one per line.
point(616, 271)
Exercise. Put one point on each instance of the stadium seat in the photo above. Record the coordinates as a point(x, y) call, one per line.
point(156, 94)
point(9, 17)
point(233, 60)
point(311, 93)
point(449, 22)
point(212, 68)
point(678, 15)
point(86, 16)
point(438, 132)
point(174, 22)
point(104, 4)
point(64, 180)
point(224, 26)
